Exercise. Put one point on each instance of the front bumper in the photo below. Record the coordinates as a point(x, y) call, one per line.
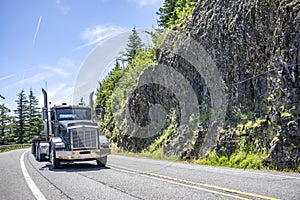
point(82, 154)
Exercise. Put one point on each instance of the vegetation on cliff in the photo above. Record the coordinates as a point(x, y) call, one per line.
point(255, 45)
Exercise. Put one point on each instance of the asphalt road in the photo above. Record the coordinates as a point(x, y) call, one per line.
point(22, 177)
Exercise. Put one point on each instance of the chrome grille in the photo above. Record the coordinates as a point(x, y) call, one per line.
point(84, 139)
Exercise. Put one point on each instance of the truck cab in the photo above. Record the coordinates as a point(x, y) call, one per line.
point(73, 136)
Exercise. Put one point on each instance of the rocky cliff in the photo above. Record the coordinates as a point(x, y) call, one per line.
point(255, 45)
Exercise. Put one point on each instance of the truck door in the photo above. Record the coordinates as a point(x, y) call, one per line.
point(52, 122)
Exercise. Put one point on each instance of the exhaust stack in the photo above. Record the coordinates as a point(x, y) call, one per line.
point(91, 104)
point(45, 115)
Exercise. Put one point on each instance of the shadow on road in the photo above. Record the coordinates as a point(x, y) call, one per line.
point(74, 167)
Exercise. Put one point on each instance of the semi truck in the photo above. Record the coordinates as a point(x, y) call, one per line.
point(71, 135)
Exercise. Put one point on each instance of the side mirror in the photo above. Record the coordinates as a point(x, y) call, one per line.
point(100, 112)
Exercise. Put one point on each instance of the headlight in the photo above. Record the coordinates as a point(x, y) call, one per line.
point(104, 143)
point(60, 145)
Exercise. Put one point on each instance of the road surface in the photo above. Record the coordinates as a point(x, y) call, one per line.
point(22, 177)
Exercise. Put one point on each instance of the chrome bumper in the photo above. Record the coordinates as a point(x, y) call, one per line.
point(82, 155)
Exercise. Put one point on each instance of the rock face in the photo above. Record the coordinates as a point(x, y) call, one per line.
point(255, 45)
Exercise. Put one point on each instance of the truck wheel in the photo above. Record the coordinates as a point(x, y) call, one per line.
point(33, 148)
point(42, 157)
point(38, 156)
point(54, 161)
point(37, 152)
point(101, 162)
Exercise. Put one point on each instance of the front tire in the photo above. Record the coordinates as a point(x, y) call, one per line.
point(101, 162)
point(42, 157)
point(33, 148)
point(55, 163)
point(37, 152)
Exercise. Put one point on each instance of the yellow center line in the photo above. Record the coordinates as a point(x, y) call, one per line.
point(192, 184)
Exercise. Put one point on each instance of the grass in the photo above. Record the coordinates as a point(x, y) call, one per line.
point(156, 155)
point(239, 160)
point(13, 148)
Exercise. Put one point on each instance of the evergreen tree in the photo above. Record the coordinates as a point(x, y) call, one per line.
point(10, 134)
point(117, 65)
point(5, 121)
point(106, 87)
point(174, 12)
point(21, 116)
point(166, 13)
point(34, 121)
point(134, 43)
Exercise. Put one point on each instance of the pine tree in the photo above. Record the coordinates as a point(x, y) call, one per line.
point(174, 12)
point(21, 116)
point(166, 13)
point(5, 121)
point(34, 121)
point(134, 43)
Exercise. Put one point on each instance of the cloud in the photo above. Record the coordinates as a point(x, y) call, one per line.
point(64, 8)
point(96, 34)
point(44, 73)
point(58, 94)
point(57, 71)
point(6, 77)
point(66, 62)
point(143, 3)
point(39, 77)
point(61, 93)
point(57, 78)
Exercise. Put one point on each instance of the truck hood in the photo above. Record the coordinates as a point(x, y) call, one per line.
point(78, 123)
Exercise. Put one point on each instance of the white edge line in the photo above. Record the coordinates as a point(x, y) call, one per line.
point(34, 189)
point(277, 175)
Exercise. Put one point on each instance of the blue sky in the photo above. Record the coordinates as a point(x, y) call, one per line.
point(49, 41)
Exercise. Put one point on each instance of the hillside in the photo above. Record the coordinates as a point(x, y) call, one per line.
point(255, 45)
point(246, 89)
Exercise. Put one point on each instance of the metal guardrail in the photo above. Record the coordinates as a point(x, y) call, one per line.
point(14, 145)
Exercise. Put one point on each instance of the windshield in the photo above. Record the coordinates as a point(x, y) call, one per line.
point(73, 114)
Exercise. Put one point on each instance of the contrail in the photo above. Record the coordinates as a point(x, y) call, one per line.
point(37, 29)
point(6, 77)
